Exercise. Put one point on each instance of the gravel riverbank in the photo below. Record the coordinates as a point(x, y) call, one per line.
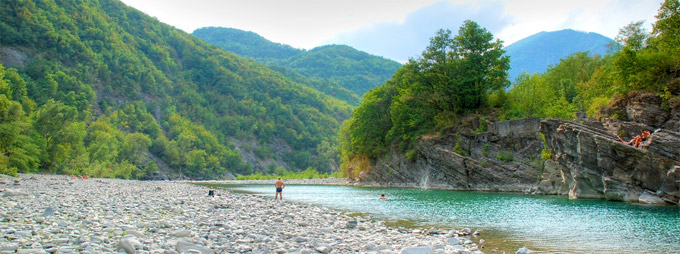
point(58, 214)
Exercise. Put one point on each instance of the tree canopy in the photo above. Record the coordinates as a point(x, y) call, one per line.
point(98, 87)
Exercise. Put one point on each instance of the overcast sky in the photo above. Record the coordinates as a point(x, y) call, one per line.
point(396, 29)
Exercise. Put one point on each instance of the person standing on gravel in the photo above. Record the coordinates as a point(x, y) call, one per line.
point(279, 189)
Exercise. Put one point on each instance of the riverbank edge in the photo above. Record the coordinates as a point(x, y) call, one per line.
point(495, 242)
point(158, 216)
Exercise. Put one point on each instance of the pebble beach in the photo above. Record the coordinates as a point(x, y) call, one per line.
point(59, 214)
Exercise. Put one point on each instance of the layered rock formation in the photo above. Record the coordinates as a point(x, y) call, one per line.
point(587, 161)
point(507, 158)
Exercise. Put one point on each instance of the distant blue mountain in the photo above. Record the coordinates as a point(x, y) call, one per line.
point(537, 52)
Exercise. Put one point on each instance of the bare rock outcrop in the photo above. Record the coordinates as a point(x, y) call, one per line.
point(589, 162)
point(507, 158)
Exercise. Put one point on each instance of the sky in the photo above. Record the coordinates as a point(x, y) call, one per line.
point(396, 29)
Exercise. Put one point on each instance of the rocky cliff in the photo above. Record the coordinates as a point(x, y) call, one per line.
point(587, 161)
point(507, 158)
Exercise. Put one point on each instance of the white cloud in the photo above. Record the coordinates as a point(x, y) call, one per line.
point(605, 17)
point(397, 29)
point(300, 23)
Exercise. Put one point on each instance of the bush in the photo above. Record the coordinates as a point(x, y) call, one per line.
point(280, 172)
point(411, 155)
point(459, 148)
point(506, 157)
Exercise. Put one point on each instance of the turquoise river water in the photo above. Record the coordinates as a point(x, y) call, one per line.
point(548, 224)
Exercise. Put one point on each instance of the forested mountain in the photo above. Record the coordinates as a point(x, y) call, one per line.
point(535, 53)
point(99, 88)
point(337, 67)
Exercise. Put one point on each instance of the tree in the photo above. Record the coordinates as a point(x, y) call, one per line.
point(53, 122)
point(667, 26)
point(633, 35)
point(458, 73)
point(17, 150)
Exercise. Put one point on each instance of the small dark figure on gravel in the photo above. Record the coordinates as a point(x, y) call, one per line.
point(279, 189)
point(211, 193)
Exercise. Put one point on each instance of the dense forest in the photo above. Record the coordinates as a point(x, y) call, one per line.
point(337, 69)
point(99, 88)
point(463, 75)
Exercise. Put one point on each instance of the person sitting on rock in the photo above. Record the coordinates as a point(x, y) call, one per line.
point(636, 141)
point(645, 135)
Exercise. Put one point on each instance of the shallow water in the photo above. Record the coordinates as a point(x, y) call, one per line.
point(549, 224)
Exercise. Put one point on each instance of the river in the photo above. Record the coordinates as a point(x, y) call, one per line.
point(548, 224)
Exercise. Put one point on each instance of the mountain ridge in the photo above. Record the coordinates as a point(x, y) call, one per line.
point(537, 52)
point(337, 66)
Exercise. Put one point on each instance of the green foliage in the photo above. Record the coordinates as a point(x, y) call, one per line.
point(485, 150)
point(505, 156)
point(454, 75)
point(459, 148)
point(546, 152)
point(483, 125)
point(336, 70)
point(309, 173)
point(412, 154)
point(106, 88)
point(583, 83)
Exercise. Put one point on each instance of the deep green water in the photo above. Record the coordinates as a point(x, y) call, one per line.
point(508, 221)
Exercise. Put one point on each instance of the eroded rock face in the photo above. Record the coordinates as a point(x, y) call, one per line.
point(587, 161)
point(590, 162)
point(505, 159)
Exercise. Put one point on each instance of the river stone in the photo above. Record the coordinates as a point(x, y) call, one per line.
point(523, 250)
point(323, 248)
point(352, 224)
point(417, 250)
point(48, 212)
point(30, 251)
point(130, 244)
point(181, 233)
point(455, 241)
point(134, 232)
point(370, 247)
point(649, 198)
point(187, 247)
point(12, 193)
point(9, 247)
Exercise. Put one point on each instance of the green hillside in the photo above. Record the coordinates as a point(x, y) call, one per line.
point(100, 88)
point(338, 67)
point(537, 52)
